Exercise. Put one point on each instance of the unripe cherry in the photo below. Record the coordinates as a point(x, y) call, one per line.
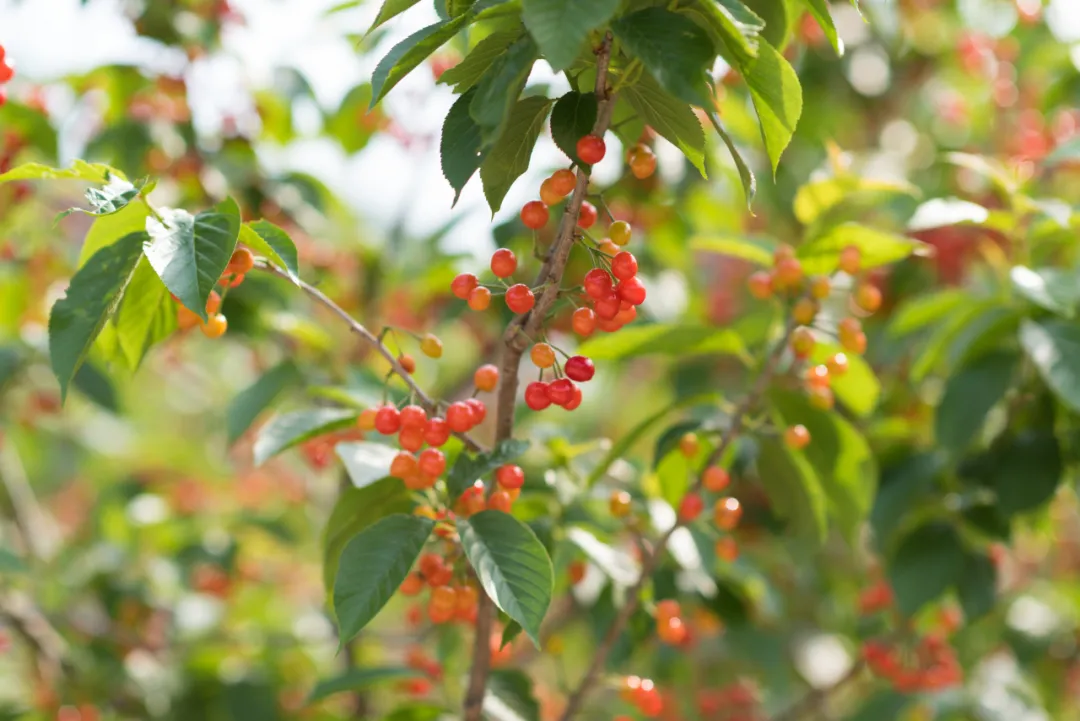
point(563, 182)
point(868, 297)
point(727, 549)
point(788, 273)
point(548, 194)
point(431, 346)
point(534, 215)
point(459, 417)
point(519, 299)
point(821, 398)
point(412, 585)
point(437, 432)
point(726, 513)
point(642, 161)
point(413, 416)
point(837, 364)
point(715, 479)
point(820, 287)
point(479, 410)
point(804, 311)
point(690, 507)
point(366, 420)
point(591, 149)
point(620, 232)
point(444, 597)
point(856, 343)
point(480, 298)
point(576, 571)
point(542, 355)
point(760, 285)
point(672, 631)
point(608, 248)
point(463, 285)
point(510, 476)
point(817, 376)
point(536, 396)
point(503, 263)
point(624, 266)
point(583, 321)
point(500, 501)
point(241, 262)
point(783, 252)
point(632, 290)
point(579, 368)
point(850, 259)
point(407, 363)
point(387, 420)
point(561, 391)
point(411, 438)
point(587, 216)
point(608, 306)
point(486, 377)
point(689, 445)
point(802, 343)
point(215, 326)
point(431, 462)
point(797, 437)
point(620, 504)
point(668, 608)
point(597, 283)
point(403, 464)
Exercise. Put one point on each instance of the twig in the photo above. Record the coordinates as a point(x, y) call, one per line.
point(514, 343)
point(356, 327)
point(817, 697)
point(652, 560)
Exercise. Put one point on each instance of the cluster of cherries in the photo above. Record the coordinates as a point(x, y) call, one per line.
point(737, 701)
point(241, 262)
point(6, 74)
point(643, 694)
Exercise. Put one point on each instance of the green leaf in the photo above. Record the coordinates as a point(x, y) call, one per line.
point(498, 90)
point(96, 386)
point(916, 313)
point(758, 251)
point(903, 485)
point(287, 430)
point(561, 26)
point(272, 243)
point(355, 510)
point(191, 253)
point(1054, 348)
point(970, 324)
point(91, 299)
point(79, 170)
point(820, 10)
point(409, 53)
point(511, 631)
point(461, 147)
point(469, 469)
point(366, 462)
point(390, 9)
point(816, 198)
point(733, 26)
point(349, 125)
point(926, 562)
point(877, 248)
point(1055, 289)
point(969, 396)
point(794, 490)
point(671, 118)
point(107, 200)
point(1026, 470)
point(840, 456)
point(777, 95)
point(509, 158)
point(108, 229)
point(746, 176)
point(673, 48)
point(147, 315)
point(469, 71)
point(356, 679)
point(509, 697)
point(372, 567)
point(858, 389)
point(778, 16)
point(669, 339)
point(256, 398)
point(10, 563)
point(512, 566)
point(572, 118)
point(977, 586)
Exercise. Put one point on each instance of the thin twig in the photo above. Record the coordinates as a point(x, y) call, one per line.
point(652, 560)
point(356, 327)
point(514, 343)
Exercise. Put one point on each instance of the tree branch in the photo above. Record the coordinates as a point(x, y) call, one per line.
point(515, 341)
point(652, 561)
point(430, 405)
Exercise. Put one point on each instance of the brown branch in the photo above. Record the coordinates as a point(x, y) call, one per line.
point(652, 560)
point(430, 405)
point(816, 698)
point(515, 341)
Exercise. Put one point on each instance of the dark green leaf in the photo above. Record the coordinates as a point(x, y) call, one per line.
point(355, 510)
point(572, 118)
point(511, 565)
point(778, 17)
point(903, 484)
point(191, 253)
point(926, 562)
point(681, 340)
point(1055, 289)
point(672, 118)
point(366, 462)
point(561, 26)
point(917, 313)
point(461, 147)
point(272, 243)
point(96, 386)
point(359, 678)
point(91, 299)
point(794, 490)
point(468, 72)
point(732, 26)
point(469, 469)
point(977, 586)
point(510, 156)
point(883, 705)
point(409, 53)
point(969, 396)
point(389, 9)
point(289, 429)
point(673, 48)
point(511, 631)
point(256, 398)
point(777, 95)
point(372, 567)
point(820, 10)
point(498, 90)
point(1054, 348)
point(510, 698)
point(147, 315)
point(1026, 470)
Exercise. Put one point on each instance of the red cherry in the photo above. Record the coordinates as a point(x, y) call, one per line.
point(624, 265)
point(519, 298)
point(563, 182)
point(437, 432)
point(536, 396)
point(431, 462)
point(503, 263)
point(579, 368)
point(591, 149)
point(534, 215)
point(510, 476)
point(632, 290)
point(413, 417)
point(608, 307)
point(463, 285)
point(479, 410)
point(6, 72)
point(387, 420)
point(3, 97)
point(597, 283)
point(411, 438)
point(691, 507)
point(459, 417)
point(587, 216)
point(575, 400)
point(561, 391)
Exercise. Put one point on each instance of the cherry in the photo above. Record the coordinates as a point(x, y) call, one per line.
point(642, 161)
point(668, 608)
point(241, 262)
point(403, 464)
point(579, 368)
point(624, 265)
point(856, 343)
point(760, 285)
point(408, 363)
point(715, 479)
point(632, 290)
point(215, 326)
point(619, 232)
point(213, 303)
point(868, 297)
point(817, 376)
point(576, 571)
point(388, 420)
point(459, 416)
point(542, 355)
point(548, 194)
point(726, 549)
point(608, 248)
point(412, 585)
point(591, 149)
point(802, 343)
point(850, 259)
point(804, 311)
point(608, 306)
point(187, 319)
point(690, 507)
point(479, 410)
point(783, 252)
point(597, 283)
point(519, 299)
point(503, 263)
point(510, 476)
point(437, 432)
point(672, 631)
point(236, 280)
point(413, 416)
point(366, 420)
point(536, 396)
point(797, 437)
point(820, 287)
point(6, 72)
point(626, 314)
point(465, 606)
point(575, 399)
point(788, 273)
point(563, 182)
point(583, 321)
point(500, 501)
point(486, 377)
point(479, 298)
point(587, 216)
point(837, 364)
point(689, 445)
point(431, 346)
point(462, 285)
point(431, 462)
point(561, 391)
point(726, 513)
point(620, 504)
point(534, 214)
point(411, 438)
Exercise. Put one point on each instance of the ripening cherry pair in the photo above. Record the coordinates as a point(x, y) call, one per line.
point(216, 324)
point(7, 72)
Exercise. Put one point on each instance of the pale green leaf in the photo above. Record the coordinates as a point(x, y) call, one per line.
point(466, 74)
point(758, 251)
point(794, 490)
point(273, 243)
point(287, 430)
point(664, 338)
point(409, 53)
point(877, 248)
